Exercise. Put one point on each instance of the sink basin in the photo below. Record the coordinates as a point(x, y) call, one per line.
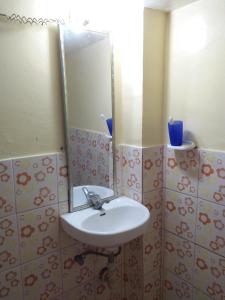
point(79, 196)
point(122, 220)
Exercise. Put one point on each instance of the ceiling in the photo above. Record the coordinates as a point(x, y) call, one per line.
point(167, 5)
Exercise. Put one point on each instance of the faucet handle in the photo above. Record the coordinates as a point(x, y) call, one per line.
point(93, 198)
point(86, 192)
point(96, 201)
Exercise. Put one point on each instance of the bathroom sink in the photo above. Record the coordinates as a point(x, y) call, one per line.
point(78, 195)
point(120, 221)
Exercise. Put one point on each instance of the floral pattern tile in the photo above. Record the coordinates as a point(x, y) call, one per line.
point(7, 196)
point(38, 232)
point(35, 182)
point(74, 274)
point(104, 160)
point(101, 262)
point(89, 157)
point(212, 176)
point(132, 168)
point(180, 214)
point(65, 239)
point(179, 256)
point(72, 160)
point(85, 291)
point(152, 251)
point(152, 286)
point(62, 177)
point(198, 295)
point(133, 269)
point(152, 168)
point(86, 157)
point(153, 201)
point(133, 252)
point(132, 283)
point(137, 196)
point(11, 285)
point(42, 278)
point(209, 273)
point(9, 245)
point(174, 288)
point(181, 171)
point(210, 227)
point(111, 166)
point(118, 160)
point(38, 229)
point(111, 290)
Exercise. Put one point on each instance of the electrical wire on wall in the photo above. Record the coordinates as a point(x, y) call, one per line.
point(31, 21)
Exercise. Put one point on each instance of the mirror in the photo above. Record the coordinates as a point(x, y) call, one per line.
point(86, 62)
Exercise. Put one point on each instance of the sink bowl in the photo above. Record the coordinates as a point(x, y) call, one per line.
point(121, 221)
point(79, 197)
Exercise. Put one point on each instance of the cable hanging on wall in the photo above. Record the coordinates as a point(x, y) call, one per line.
point(31, 21)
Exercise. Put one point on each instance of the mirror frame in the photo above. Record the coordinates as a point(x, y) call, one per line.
point(65, 109)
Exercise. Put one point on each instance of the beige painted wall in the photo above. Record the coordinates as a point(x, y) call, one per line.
point(88, 72)
point(195, 90)
point(31, 116)
point(128, 50)
point(153, 78)
point(139, 74)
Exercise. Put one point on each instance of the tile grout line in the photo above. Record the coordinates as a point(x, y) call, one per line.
point(194, 243)
point(31, 210)
point(59, 240)
point(163, 221)
point(18, 232)
point(31, 260)
point(196, 216)
point(189, 195)
point(142, 250)
point(192, 286)
point(197, 197)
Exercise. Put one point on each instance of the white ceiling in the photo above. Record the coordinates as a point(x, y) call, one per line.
point(166, 5)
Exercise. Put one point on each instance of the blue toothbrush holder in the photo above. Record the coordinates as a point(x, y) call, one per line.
point(176, 133)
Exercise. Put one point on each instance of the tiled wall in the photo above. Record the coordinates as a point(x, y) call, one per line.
point(90, 158)
point(32, 191)
point(141, 178)
point(194, 227)
point(36, 256)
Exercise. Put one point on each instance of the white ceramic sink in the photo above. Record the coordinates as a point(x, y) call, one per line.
point(79, 197)
point(123, 219)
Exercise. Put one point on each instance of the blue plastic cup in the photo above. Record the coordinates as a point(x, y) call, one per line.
point(110, 125)
point(176, 133)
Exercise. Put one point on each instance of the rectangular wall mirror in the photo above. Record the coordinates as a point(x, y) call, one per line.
point(87, 66)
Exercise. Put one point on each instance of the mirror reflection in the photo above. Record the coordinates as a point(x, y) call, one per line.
point(86, 66)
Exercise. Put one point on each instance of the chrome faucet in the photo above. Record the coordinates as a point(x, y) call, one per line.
point(93, 199)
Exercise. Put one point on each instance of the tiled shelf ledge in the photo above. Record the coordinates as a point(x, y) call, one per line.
point(188, 145)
